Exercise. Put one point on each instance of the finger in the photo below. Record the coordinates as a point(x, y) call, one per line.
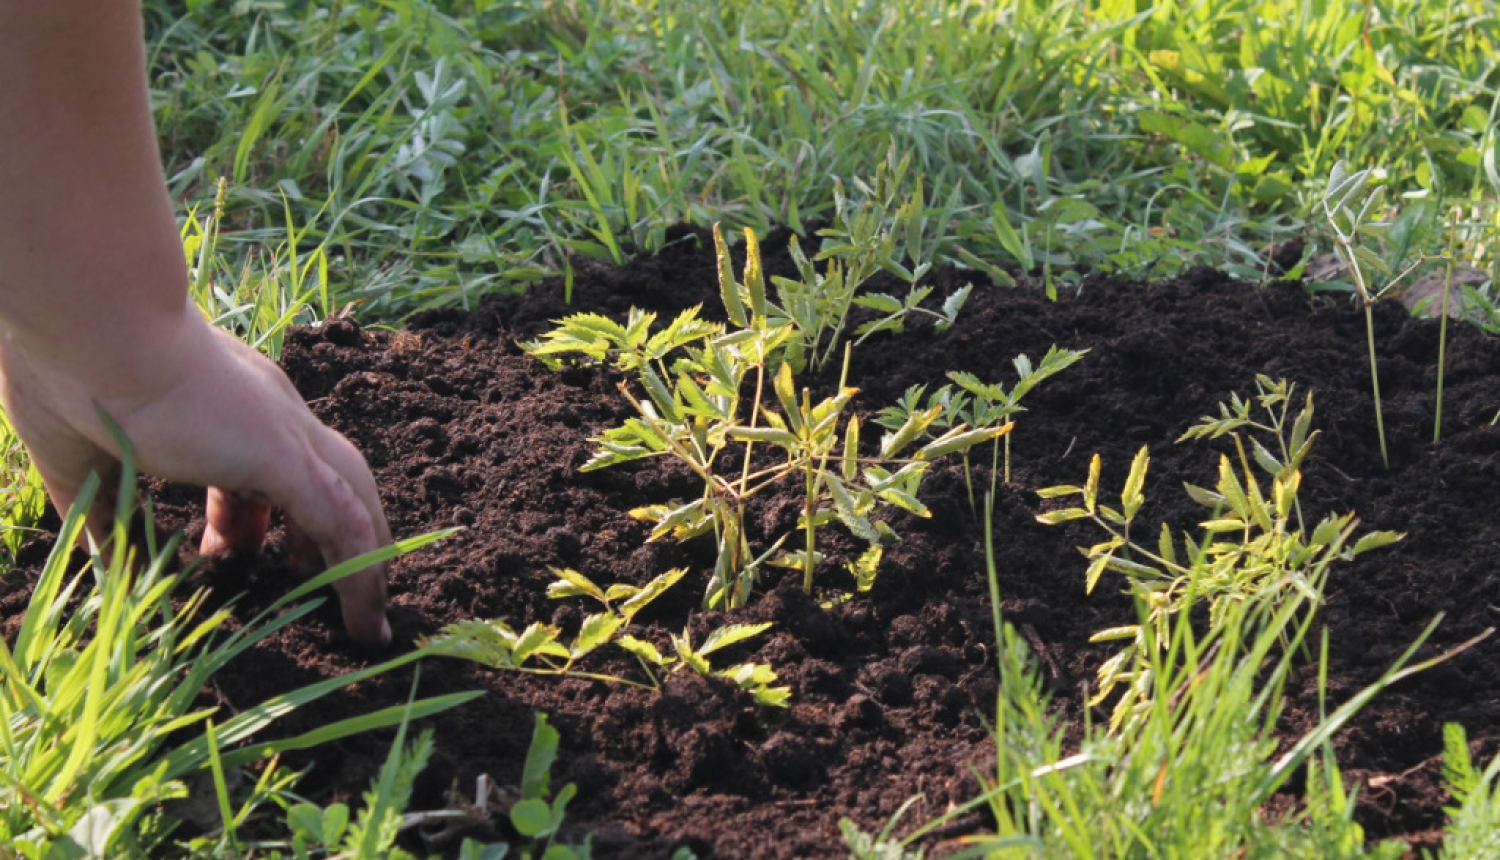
point(236, 521)
point(63, 490)
point(323, 503)
point(355, 591)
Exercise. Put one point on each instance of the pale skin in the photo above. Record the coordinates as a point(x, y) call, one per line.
point(94, 311)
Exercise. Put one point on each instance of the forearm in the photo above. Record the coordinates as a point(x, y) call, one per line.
point(90, 265)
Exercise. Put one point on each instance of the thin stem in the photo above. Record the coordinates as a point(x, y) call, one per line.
point(810, 544)
point(1437, 418)
point(1375, 379)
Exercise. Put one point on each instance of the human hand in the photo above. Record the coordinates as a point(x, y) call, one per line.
point(200, 407)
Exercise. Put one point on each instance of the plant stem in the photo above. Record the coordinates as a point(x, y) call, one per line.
point(1375, 379)
point(1437, 418)
point(810, 544)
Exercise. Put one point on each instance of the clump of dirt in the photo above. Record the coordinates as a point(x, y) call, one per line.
point(891, 689)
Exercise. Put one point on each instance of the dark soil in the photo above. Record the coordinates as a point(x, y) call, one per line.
point(891, 689)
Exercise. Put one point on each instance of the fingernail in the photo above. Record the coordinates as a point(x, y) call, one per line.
point(385, 631)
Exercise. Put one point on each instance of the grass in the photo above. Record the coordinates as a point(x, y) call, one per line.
point(438, 150)
point(378, 159)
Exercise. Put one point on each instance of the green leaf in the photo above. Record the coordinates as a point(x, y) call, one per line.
point(534, 639)
point(843, 505)
point(652, 590)
point(641, 648)
point(729, 290)
point(1063, 515)
point(1059, 491)
point(755, 280)
point(535, 774)
point(1375, 540)
point(532, 818)
point(772, 435)
point(882, 302)
point(866, 566)
point(596, 630)
point(1131, 498)
point(1091, 487)
point(905, 501)
point(960, 439)
point(571, 583)
point(730, 635)
point(891, 444)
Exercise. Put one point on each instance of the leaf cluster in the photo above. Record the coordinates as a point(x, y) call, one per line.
point(1253, 548)
point(694, 378)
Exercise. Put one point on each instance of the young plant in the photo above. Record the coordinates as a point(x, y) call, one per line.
point(1193, 775)
point(696, 411)
point(866, 237)
point(1348, 205)
point(539, 649)
point(980, 405)
point(1252, 551)
point(754, 678)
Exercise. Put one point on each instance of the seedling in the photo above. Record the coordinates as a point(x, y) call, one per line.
point(873, 234)
point(1348, 205)
point(696, 412)
point(754, 678)
point(981, 405)
point(539, 648)
point(1250, 552)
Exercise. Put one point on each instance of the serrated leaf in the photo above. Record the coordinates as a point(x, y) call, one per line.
point(1207, 498)
point(532, 640)
point(1052, 518)
point(1264, 458)
point(755, 279)
point(1115, 634)
point(1233, 492)
point(729, 290)
point(1059, 492)
point(953, 304)
point(652, 590)
point(1223, 524)
point(1131, 498)
point(571, 583)
point(1375, 540)
point(892, 443)
point(970, 383)
point(1091, 487)
point(849, 466)
point(843, 505)
point(960, 439)
point(1095, 570)
point(772, 435)
point(595, 631)
point(882, 302)
point(905, 501)
point(1165, 547)
point(866, 566)
point(641, 648)
point(786, 393)
point(730, 635)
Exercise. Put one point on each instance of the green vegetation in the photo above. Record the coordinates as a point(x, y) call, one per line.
point(695, 410)
point(381, 158)
point(1191, 758)
point(440, 149)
